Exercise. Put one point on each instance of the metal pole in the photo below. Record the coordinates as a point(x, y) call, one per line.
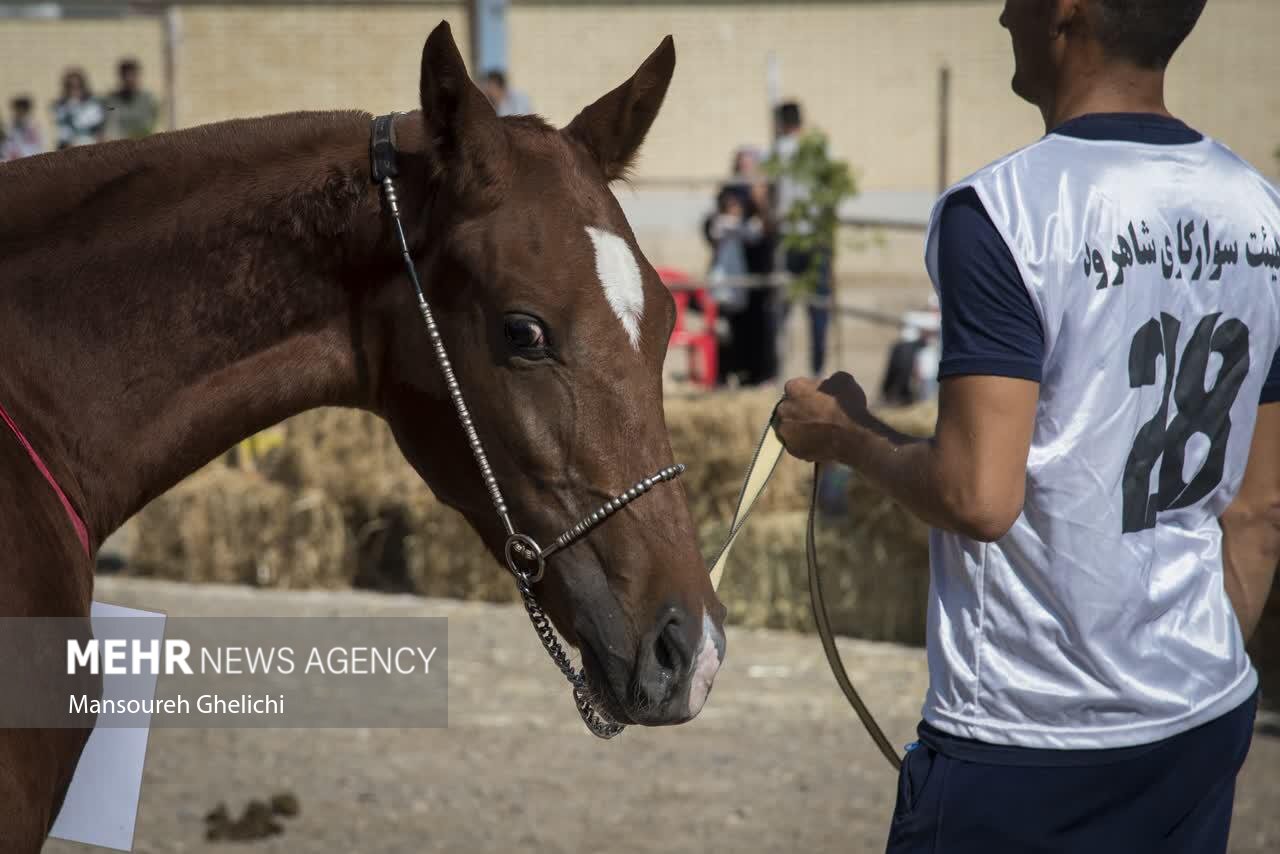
point(172, 35)
point(944, 129)
point(488, 20)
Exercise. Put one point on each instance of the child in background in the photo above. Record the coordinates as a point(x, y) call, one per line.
point(24, 138)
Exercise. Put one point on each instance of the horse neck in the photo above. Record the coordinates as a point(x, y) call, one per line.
point(186, 291)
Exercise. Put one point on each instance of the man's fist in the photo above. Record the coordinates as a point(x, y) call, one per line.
point(813, 418)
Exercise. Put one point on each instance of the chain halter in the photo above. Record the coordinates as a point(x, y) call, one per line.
point(524, 557)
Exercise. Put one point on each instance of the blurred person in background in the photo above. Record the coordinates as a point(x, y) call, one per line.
point(789, 122)
point(742, 240)
point(911, 372)
point(132, 112)
point(506, 100)
point(77, 114)
point(730, 231)
point(898, 388)
point(24, 138)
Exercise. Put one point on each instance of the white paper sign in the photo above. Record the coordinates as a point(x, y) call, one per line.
point(102, 803)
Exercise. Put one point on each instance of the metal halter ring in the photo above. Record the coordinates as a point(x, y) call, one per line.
point(526, 547)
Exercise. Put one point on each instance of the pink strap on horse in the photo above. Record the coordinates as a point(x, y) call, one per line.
point(82, 532)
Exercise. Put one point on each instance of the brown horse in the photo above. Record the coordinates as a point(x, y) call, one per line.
point(165, 298)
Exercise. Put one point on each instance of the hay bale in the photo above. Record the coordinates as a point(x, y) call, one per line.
point(874, 554)
point(231, 526)
point(415, 544)
point(875, 565)
point(918, 419)
point(405, 540)
point(715, 435)
point(350, 454)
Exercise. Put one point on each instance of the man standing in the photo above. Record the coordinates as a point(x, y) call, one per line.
point(793, 197)
point(132, 112)
point(1104, 482)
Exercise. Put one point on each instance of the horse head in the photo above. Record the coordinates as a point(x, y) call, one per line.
point(557, 327)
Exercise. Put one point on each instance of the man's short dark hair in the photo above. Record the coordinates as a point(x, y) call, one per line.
point(1146, 32)
point(497, 76)
point(789, 115)
point(21, 104)
point(128, 66)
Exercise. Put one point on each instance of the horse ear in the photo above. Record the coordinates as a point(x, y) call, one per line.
point(613, 128)
point(465, 139)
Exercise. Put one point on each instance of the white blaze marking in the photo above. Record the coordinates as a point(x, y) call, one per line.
point(705, 666)
point(620, 277)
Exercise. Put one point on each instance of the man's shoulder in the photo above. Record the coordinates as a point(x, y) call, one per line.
point(1021, 161)
point(1034, 151)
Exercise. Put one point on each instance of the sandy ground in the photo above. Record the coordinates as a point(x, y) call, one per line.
point(776, 762)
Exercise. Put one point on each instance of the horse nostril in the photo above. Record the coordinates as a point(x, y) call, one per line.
point(665, 659)
point(670, 649)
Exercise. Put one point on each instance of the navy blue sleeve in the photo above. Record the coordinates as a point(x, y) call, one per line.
point(989, 324)
point(1271, 388)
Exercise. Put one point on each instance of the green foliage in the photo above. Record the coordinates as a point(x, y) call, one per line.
point(812, 222)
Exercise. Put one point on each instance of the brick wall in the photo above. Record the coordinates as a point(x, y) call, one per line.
point(867, 72)
point(244, 61)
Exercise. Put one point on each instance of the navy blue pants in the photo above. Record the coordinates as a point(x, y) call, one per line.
point(957, 796)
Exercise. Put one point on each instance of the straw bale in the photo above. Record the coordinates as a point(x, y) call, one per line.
point(919, 419)
point(416, 544)
point(382, 528)
point(874, 562)
point(716, 435)
point(406, 540)
point(874, 554)
point(226, 525)
point(350, 454)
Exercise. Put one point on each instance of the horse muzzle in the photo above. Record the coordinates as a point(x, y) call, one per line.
point(669, 677)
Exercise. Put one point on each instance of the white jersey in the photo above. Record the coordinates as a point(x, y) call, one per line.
point(1101, 619)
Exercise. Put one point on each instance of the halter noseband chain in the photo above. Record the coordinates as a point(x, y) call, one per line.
point(519, 547)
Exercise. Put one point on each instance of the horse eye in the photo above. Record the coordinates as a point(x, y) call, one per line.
point(525, 335)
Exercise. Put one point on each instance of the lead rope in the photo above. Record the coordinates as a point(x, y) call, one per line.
point(763, 463)
point(597, 723)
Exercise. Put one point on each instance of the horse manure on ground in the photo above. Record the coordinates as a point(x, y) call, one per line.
point(257, 822)
point(285, 804)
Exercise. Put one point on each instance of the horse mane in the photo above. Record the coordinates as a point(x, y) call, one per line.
point(93, 185)
point(308, 196)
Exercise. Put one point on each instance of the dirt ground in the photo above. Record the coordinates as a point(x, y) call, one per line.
point(776, 762)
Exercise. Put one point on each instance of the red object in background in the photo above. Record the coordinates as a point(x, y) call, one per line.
point(702, 346)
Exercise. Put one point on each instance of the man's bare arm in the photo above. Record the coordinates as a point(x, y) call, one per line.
point(969, 478)
point(1251, 525)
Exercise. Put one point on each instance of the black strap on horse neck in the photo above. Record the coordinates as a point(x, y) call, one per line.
point(382, 148)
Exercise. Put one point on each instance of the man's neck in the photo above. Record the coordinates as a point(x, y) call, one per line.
point(1107, 89)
